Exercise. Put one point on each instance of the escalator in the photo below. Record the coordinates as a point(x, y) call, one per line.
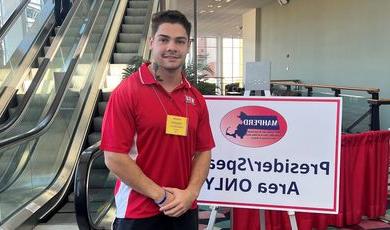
point(39, 98)
point(24, 38)
point(37, 55)
point(130, 43)
point(50, 148)
point(94, 185)
point(66, 83)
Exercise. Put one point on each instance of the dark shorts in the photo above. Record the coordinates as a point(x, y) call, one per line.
point(187, 221)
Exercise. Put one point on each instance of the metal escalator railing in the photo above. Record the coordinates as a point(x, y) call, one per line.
point(94, 185)
point(14, 162)
point(60, 55)
point(9, 176)
point(12, 18)
point(39, 74)
point(47, 171)
point(48, 118)
point(18, 36)
point(358, 116)
point(26, 98)
point(144, 50)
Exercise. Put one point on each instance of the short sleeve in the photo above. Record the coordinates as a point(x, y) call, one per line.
point(118, 126)
point(204, 136)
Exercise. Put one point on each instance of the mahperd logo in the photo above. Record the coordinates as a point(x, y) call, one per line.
point(253, 126)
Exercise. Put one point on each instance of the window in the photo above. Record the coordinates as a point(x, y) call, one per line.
point(232, 63)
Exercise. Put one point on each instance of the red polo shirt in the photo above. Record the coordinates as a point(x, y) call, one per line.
point(134, 123)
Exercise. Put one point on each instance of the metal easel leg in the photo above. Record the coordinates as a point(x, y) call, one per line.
point(262, 219)
point(293, 220)
point(213, 216)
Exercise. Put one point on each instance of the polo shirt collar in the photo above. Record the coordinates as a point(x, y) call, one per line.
point(147, 78)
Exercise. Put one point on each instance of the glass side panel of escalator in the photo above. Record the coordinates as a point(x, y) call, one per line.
point(46, 154)
point(47, 89)
point(101, 205)
point(17, 41)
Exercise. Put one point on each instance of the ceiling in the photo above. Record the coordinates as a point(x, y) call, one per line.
point(219, 17)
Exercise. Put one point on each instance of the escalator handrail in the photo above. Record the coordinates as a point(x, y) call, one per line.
point(144, 50)
point(81, 184)
point(82, 176)
point(14, 175)
point(27, 96)
point(41, 70)
point(38, 130)
point(12, 19)
point(44, 124)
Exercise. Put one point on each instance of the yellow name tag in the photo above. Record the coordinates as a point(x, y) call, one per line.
point(176, 125)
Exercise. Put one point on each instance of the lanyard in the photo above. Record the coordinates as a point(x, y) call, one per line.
point(162, 105)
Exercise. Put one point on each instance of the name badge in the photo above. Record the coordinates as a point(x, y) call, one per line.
point(176, 125)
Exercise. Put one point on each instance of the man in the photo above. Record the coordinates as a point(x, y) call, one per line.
point(61, 9)
point(156, 136)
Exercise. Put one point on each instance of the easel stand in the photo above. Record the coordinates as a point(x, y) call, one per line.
point(213, 216)
point(293, 220)
point(291, 214)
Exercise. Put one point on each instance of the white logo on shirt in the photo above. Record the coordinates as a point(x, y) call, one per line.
point(190, 100)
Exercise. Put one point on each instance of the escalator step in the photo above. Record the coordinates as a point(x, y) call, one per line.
point(102, 107)
point(136, 12)
point(40, 59)
point(123, 58)
point(51, 39)
point(134, 19)
point(56, 29)
point(139, 4)
point(93, 138)
point(134, 29)
point(46, 49)
point(106, 96)
point(97, 123)
point(126, 37)
point(127, 47)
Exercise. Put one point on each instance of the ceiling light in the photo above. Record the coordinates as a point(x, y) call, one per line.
point(210, 6)
point(202, 11)
point(211, 11)
point(219, 6)
point(218, 0)
point(282, 2)
point(228, 0)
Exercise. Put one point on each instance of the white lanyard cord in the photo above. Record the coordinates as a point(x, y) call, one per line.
point(162, 105)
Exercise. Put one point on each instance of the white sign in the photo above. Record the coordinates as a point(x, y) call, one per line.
point(274, 153)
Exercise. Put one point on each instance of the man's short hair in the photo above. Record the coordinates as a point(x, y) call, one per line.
point(170, 16)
